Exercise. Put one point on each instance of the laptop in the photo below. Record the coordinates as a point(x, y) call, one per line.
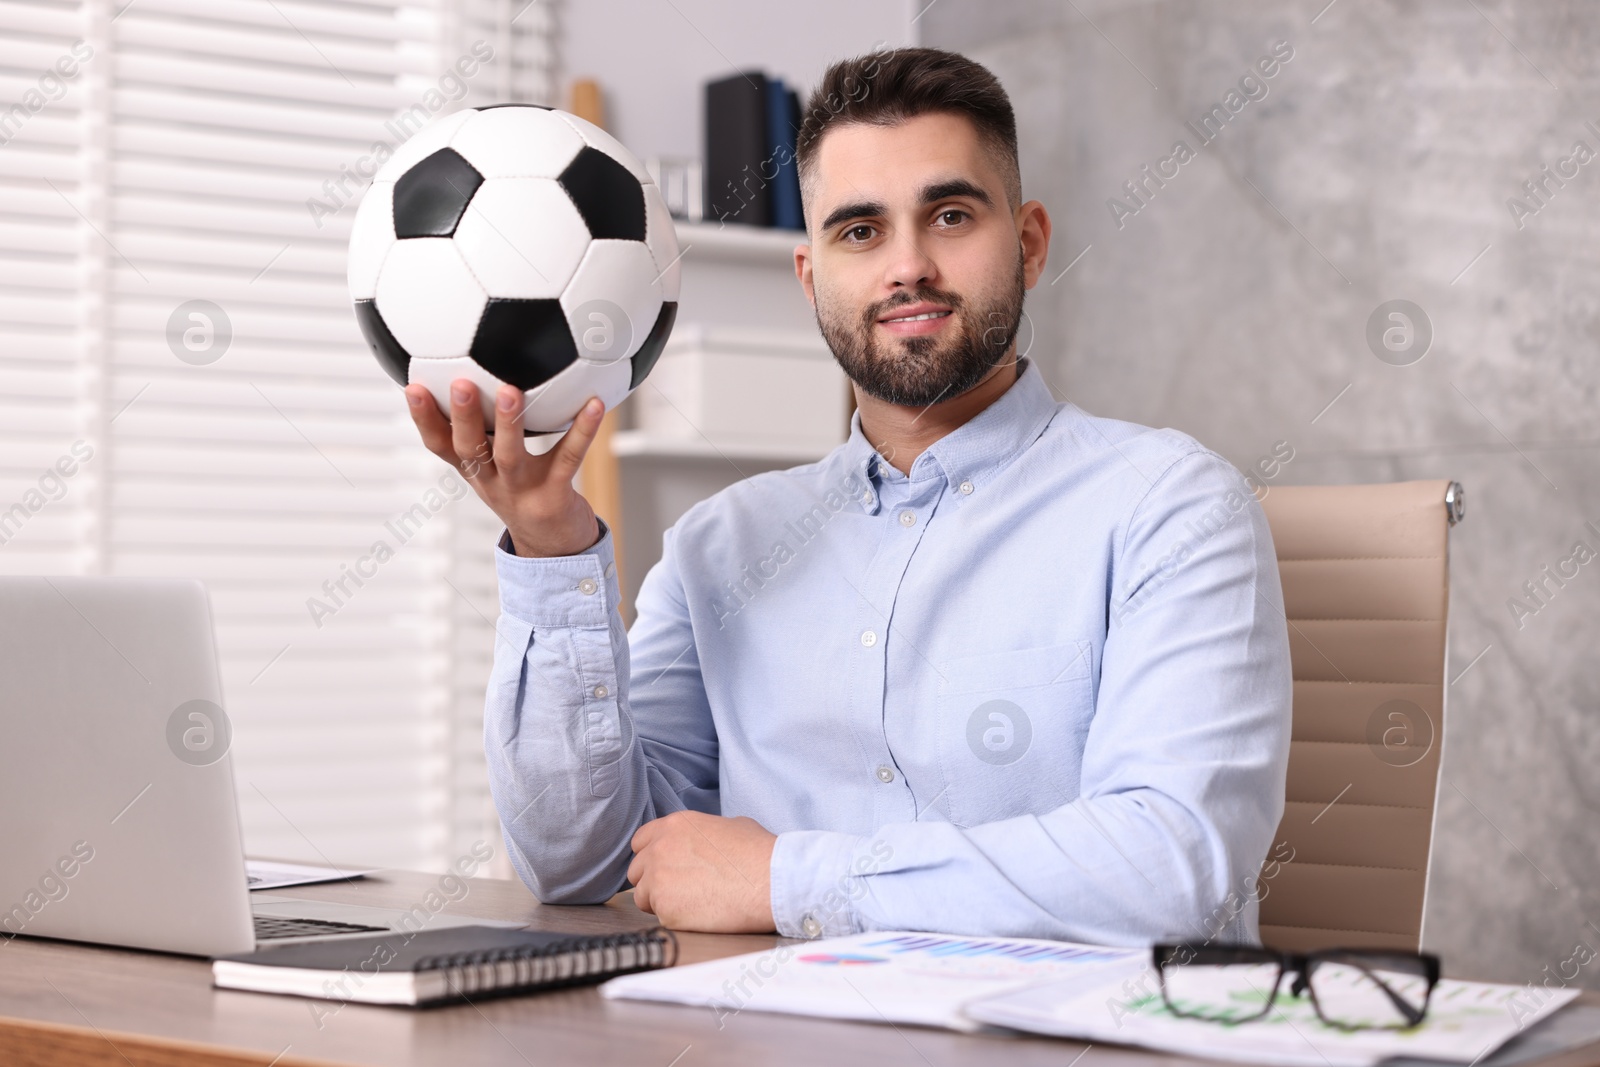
point(121, 821)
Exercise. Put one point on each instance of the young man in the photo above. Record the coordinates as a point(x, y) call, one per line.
point(993, 666)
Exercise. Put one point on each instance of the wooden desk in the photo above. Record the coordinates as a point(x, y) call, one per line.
point(69, 1005)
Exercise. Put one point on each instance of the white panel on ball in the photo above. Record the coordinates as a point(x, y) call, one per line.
point(371, 237)
point(552, 406)
point(522, 237)
point(662, 238)
point(600, 139)
point(424, 143)
point(614, 276)
point(429, 299)
point(437, 374)
point(517, 142)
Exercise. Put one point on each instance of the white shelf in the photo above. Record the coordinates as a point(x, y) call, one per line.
point(732, 242)
point(626, 443)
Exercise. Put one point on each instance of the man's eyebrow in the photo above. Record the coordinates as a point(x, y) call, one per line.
point(931, 193)
point(955, 187)
point(861, 209)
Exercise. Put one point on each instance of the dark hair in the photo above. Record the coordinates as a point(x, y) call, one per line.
point(887, 88)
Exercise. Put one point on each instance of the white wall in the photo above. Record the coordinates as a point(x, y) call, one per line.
point(652, 58)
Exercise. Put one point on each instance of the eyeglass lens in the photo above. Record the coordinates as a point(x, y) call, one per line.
point(1225, 991)
point(1368, 993)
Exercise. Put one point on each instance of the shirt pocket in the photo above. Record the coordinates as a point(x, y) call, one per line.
point(1012, 727)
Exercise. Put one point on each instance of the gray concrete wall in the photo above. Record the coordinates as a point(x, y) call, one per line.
point(1234, 305)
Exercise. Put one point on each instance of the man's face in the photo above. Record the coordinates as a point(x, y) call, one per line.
point(912, 220)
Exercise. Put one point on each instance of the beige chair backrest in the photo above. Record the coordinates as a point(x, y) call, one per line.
point(1366, 589)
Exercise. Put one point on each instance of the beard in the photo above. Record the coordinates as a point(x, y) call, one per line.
point(921, 371)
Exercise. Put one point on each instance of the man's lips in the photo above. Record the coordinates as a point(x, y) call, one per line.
point(916, 319)
point(913, 310)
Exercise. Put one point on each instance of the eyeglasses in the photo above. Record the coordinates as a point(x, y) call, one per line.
point(1351, 989)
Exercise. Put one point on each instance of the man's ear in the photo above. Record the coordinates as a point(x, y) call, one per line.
point(1033, 229)
point(802, 271)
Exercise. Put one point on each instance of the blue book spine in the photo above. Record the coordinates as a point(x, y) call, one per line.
point(786, 211)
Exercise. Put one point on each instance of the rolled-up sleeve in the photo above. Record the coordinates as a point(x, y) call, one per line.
point(580, 753)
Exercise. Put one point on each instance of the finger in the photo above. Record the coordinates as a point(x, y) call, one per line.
point(569, 451)
point(641, 898)
point(645, 834)
point(467, 434)
point(430, 423)
point(509, 448)
point(636, 870)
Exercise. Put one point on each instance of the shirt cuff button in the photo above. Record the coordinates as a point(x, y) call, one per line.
point(587, 587)
point(810, 927)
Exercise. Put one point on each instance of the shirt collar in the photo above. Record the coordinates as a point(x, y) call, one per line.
point(979, 447)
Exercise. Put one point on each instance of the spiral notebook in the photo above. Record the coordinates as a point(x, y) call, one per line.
point(436, 966)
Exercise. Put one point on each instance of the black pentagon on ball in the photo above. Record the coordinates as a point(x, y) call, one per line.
point(524, 342)
point(489, 429)
point(650, 351)
point(431, 197)
point(395, 361)
point(608, 197)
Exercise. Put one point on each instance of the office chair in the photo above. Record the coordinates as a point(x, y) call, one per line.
point(1366, 589)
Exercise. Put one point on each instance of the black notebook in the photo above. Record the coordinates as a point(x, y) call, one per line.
point(464, 962)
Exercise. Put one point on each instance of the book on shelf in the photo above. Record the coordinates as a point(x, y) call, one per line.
point(736, 144)
point(783, 122)
point(752, 177)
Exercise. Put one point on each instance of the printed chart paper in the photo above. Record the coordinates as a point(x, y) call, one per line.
point(1465, 1020)
point(884, 977)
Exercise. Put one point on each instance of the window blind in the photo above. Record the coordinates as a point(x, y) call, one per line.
point(46, 303)
point(172, 245)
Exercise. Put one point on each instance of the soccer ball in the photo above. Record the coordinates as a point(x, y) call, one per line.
point(515, 244)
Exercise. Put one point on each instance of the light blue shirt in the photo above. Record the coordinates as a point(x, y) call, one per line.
point(1040, 687)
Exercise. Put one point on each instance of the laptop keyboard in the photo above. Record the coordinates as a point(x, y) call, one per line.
point(269, 928)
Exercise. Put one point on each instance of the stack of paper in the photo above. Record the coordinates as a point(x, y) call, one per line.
point(1086, 992)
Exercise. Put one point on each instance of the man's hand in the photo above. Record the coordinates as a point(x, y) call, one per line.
point(703, 872)
point(532, 495)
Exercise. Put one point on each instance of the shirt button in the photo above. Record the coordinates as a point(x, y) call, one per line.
point(866, 498)
point(601, 691)
point(869, 638)
point(587, 587)
point(810, 927)
point(885, 774)
point(966, 488)
point(908, 518)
